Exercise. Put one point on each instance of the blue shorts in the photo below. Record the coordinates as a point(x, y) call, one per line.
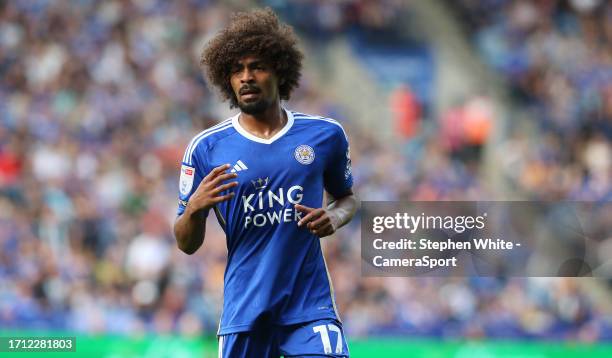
point(321, 338)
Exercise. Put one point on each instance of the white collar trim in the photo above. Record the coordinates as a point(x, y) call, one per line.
point(254, 138)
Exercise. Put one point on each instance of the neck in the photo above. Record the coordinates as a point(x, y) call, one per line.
point(265, 124)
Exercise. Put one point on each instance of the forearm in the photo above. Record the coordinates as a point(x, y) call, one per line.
point(189, 230)
point(343, 209)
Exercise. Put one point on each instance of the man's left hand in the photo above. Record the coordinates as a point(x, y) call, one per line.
point(320, 222)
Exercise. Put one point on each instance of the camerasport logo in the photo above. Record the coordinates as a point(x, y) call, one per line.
point(186, 180)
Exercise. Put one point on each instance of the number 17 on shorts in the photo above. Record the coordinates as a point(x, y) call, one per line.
point(321, 338)
point(324, 331)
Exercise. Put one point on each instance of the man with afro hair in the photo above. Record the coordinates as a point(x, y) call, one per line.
point(263, 173)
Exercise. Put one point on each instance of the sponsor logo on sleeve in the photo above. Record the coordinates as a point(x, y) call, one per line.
point(186, 180)
point(347, 170)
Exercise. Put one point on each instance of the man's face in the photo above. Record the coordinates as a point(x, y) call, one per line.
point(255, 84)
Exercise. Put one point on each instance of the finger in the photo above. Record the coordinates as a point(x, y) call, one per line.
point(325, 230)
point(222, 198)
point(303, 209)
point(305, 219)
point(224, 187)
point(223, 177)
point(213, 173)
point(318, 223)
point(328, 230)
point(310, 216)
point(211, 182)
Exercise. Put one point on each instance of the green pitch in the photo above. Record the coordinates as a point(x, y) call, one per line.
point(178, 347)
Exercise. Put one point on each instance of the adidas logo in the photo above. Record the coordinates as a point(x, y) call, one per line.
point(239, 166)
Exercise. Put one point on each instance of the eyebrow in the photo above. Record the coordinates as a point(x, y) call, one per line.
point(253, 63)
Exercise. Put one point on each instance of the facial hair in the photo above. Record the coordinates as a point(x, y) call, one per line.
point(254, 108)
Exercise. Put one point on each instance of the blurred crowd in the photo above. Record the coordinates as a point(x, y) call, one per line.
point(98, 100)
point(556, 56)
point(379, 20)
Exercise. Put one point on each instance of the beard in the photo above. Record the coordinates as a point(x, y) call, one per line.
point(252, 108)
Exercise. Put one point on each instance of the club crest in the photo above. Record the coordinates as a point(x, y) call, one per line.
point(304, 154)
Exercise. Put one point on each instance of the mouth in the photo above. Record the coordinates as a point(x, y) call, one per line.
point(247, 96)
point(249, 93)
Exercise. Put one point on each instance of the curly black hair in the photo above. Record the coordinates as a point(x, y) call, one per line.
point(258, 33)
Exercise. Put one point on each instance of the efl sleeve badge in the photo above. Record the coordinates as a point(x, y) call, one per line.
point(186, 179)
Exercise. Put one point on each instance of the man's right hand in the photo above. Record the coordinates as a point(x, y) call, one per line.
point(207, 194)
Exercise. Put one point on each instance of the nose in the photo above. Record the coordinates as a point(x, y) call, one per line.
point(246, 76)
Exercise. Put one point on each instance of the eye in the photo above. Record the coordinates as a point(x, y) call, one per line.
point(235, 69)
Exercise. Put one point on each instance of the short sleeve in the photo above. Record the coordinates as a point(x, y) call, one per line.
point(338, 178)
point(191, 174)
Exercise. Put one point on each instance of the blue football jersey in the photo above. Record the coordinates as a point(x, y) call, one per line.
point(275, 270)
